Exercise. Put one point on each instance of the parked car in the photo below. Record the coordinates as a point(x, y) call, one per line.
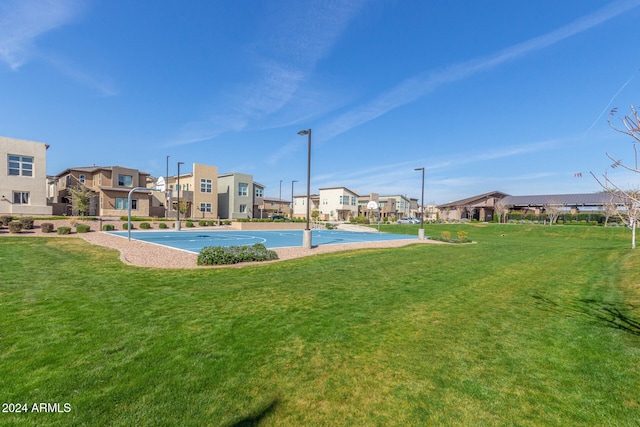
point(408, 220)
point(278, 217)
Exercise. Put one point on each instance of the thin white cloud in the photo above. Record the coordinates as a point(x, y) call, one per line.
point(23, 21)
point(295, 37)
point(420, 85)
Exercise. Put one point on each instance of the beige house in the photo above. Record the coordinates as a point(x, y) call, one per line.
point(300, 205)
point(110, 187)
point(239, 196)
point(23, 177)
point(198, 193)
point(338, 204)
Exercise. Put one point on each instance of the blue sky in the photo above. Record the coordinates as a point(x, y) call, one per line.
point(486, 95)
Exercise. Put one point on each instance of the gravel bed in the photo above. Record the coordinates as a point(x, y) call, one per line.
point(145, 254)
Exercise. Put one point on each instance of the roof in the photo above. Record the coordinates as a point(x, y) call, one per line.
point(95, 168)
point(480, 199)
point(589, 199)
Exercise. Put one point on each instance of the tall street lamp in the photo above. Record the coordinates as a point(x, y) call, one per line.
point(166, 188)
point(280, 197)
point(178, 221)
point(421, 232)
point(306, 234)
point(292, 197)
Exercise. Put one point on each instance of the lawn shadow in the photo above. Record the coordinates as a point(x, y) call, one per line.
point(617, 316)
point(256, 417)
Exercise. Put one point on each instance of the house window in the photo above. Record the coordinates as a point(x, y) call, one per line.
point(20, 165)
point(82, 178)
point(259, 192)
point(20, 198)
point(125, 180)
point(243, 189)
point(243, 208)
point(205, 207)
point(353, 200)
point(123, 203)
point(206, 186)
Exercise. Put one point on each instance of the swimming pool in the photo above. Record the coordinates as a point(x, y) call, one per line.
point(195, 240)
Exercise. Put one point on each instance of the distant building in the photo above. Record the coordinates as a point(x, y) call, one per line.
point(23, 177)
point(338, 204)
point(198, 193)
point(238, 196)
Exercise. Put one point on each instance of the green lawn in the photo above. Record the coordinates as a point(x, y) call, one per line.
point(529, 326)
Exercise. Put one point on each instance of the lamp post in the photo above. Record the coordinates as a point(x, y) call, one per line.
point(280, 199)
point(306, 234)
point(166, 188)
point(178, 186)
point(292, 197)
point(421, 232)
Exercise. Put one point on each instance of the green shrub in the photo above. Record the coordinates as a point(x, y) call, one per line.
point(445, 235)
point(27, 223)
point(15, 227)
point(463, 235)
point(189, 224)
point(125, 226)
point(203, 223)
point(217, 255)
point(108, 227)
point(145, 225)
point(5, 220)
point(162, 225)
point(64, 230)
point(46, 227)
point(83, 228)
point(211, 223)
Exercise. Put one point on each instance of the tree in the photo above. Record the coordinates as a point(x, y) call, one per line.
point(552, 211)
point(629, 198)
point(80, 197)
point(501, 209)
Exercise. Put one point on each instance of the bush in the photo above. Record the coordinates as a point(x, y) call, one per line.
point(203, 223)
point(83, 228)
point(46, 227)
point(15, 227)
point(189, 224)
point(145, 225)
point(445, 235)
point(463, 235)
point(162, 225)
point(108, 227)
point(217, 255)
point(27, 223)
point(125, 226)
point(64, 230)
point(211, 223)
point(5, 220)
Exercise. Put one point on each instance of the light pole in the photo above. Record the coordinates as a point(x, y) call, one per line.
point(178, 186)
point(280, 197)
point(306, 234)
point(421, 232)
point(292, 198)
point(166, 188)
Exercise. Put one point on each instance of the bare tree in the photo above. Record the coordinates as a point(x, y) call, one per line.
point(80, 197)
point(552, 211)
point(630, 198)
point(610, 209)
point(501, 208)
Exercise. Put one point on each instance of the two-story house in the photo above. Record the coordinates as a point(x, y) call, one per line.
point(110, 187)
point(23, 177)
point(239, 196)
point(198, 193)
point(338, 204)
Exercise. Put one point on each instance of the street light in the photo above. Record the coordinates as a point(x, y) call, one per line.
point(280, 201)
point(306, 235)
point(166, 188)
point(178, 221)
point(421, 232)
point(292, 197)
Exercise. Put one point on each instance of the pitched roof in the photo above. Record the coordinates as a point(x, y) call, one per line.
point(480, 199)
point(588, 199)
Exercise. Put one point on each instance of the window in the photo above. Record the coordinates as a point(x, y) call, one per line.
point(20, 198)
point(353, 200)
point(206, 186)
point(20, 165)
point(259, 192)
point(125, 180)
point(325, 201)
point(243, 208)
point(123, 203)
point(82, 178)
point(205, 207)
point(243, 189)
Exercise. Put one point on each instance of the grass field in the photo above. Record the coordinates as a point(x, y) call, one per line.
point(529, 326)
